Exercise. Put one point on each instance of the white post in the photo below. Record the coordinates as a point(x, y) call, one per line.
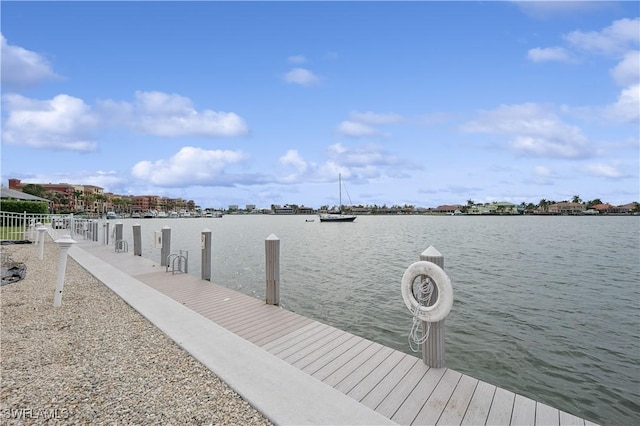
point(272, 257)
point(41, 231)
point(63, 243)
point(433, 353)
point(205, 245)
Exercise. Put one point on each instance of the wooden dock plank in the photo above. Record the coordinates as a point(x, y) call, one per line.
point(358, 387)
point(339, 361)
point(410, 407)
point(332, 355)
point(437, 401)
point(282, 332)
point(398, 395)
point(547, 416)
point(324, 352)
point(317, 338)
point(270, 326)
point(567, 419)
point(376, 386)
point(456, 408)
point(478, 409)
point(347, 383)
point(356, 362)
point(524, 411)
point(309, 328)
point(501, 407)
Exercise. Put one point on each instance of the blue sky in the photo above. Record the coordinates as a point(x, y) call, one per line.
point(421, 103)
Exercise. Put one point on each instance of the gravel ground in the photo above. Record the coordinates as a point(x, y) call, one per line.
point(96, 360)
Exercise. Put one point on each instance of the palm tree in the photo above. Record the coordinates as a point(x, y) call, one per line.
point(576, 199)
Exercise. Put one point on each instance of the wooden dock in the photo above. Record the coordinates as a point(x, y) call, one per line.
point(397, 385)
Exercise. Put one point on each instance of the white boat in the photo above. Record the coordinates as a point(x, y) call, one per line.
point(162, 215)
point(112, 215)
point(337, 217)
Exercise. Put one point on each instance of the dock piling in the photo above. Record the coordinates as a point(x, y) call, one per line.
point(272, 258)
point(165, 250)
point(433, 353)
point(137, 240)
point(205, 239)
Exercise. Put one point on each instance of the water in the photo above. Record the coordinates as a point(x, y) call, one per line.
point(547, 307)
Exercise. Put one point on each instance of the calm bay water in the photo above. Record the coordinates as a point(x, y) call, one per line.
point(548, 307)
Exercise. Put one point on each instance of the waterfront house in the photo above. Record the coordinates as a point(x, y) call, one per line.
point(567, 208)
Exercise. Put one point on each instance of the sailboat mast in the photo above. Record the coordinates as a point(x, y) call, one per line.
point(340, 185)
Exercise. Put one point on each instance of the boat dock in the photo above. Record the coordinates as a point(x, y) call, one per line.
point(296, 370)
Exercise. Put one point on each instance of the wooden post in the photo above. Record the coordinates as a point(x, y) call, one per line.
point(165, 250)
point(137, 240)
point(205, 245)
point(272, 257)
point(433, 353)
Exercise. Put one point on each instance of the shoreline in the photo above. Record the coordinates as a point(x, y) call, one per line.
point(96, 359)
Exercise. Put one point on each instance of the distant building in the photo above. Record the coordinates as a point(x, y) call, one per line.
point(566, 208)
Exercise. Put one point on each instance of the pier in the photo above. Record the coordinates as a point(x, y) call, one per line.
point(299, 371)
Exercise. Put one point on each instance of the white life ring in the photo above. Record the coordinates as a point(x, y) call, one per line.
point(442, 306)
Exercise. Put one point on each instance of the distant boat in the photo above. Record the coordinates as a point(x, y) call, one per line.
point(337, 217)
point(112, 215)
point(162, 214)
point(310, 220)
point(148, 215)
point(135, 215)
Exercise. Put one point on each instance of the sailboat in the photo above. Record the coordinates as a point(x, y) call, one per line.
point(337, 217)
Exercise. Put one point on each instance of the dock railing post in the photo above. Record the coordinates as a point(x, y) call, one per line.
point(165, 251)
point(433, 353)
point(137, 240)
point(205, 261)
point(272, 259)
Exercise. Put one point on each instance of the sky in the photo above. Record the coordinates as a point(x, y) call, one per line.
point(235, 103)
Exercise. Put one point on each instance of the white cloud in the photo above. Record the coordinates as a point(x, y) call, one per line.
point(63, 122)
point(374, 118)
point(626, 108)
point(301, 76)
point(293, 158)
point(164, 114)
point(610, 171)
point(361, 124)
point(21, 67)
point(189, 166)
point(620, 36)
point(356, 130)
point(534, 131)
point(627, 71)
point(540, 54)
point(297, 59)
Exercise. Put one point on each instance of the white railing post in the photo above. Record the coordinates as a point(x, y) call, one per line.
point(272, 257)
point(433, 353)
point(63, 243)
point(41, 231)
point(205, 261)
